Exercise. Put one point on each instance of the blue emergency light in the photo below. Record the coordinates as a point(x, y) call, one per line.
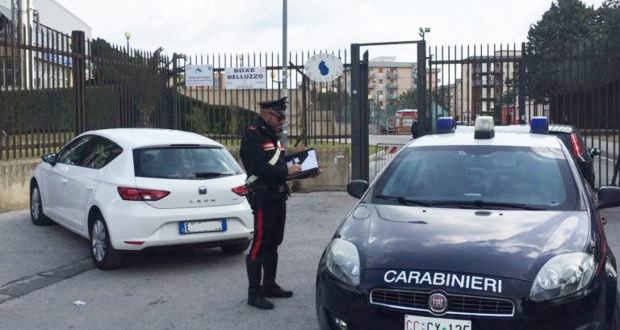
point(445, 125)
point(539, 125)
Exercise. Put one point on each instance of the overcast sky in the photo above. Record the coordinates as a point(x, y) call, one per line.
point(234, 26)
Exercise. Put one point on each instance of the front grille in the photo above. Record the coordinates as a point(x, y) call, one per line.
point(457, 304)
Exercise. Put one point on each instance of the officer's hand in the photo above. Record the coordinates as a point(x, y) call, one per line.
point(293, 169)
point(317, 173)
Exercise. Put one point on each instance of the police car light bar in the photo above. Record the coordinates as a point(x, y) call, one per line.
point(539, 125)
point(445, 125)
point(484, 128)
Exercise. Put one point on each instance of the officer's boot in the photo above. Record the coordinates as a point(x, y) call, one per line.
point(255, 296)
point(270, 288)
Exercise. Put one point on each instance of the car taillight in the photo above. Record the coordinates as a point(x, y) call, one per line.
point(136, 194)
point(241, 190)
point(574, 141)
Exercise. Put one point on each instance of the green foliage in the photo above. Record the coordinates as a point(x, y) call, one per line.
point(140, 75)
point(208, 119)
point(46, 109)
point(573, 46)
point(409, 99)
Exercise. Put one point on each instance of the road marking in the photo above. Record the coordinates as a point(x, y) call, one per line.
point(607, 159)
point(25, 285)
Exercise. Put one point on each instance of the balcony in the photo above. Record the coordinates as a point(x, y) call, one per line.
point(372, 76)
point(392, 97)
point(371, 85)
point(392, 86)
point(392, 75)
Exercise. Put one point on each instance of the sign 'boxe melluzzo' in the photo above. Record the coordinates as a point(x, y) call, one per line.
point(246, 78)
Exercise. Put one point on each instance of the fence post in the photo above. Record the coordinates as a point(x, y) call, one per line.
point(522, 85)
point(79, 81)
point(356, 170)
point(424, 127)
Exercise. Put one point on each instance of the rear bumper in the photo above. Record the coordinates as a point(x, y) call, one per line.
point(140, 222)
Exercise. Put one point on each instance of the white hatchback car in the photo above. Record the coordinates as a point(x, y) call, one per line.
point(130, 189)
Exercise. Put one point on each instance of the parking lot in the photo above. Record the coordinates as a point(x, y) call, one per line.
point(46, 269)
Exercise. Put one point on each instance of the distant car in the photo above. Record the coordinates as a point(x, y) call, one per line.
point(573, 140)
point(131, 189)
point(473, 230)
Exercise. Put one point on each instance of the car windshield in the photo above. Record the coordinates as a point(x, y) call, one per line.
point(494, 177)
point(184, 163)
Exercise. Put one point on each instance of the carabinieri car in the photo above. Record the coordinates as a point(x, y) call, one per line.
point(469, 231)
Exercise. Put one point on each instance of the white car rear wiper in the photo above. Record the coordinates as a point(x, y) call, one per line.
point(207, 175)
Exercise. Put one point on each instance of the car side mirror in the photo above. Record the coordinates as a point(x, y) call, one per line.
point(49, 158)
point(594, 152)
point(357, 188)
point(608, 197)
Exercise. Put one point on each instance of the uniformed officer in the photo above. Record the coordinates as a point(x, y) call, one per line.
point(263, 156)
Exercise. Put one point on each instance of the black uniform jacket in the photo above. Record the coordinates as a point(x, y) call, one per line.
point(258, 146)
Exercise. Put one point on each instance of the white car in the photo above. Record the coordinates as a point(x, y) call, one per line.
point(131, 189)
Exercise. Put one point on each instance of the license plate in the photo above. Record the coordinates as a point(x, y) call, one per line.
point(426, 323)
point(194, 227)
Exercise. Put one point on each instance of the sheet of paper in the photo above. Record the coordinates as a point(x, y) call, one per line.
point(310, 162)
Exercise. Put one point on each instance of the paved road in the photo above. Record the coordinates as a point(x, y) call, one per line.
point(45, 269)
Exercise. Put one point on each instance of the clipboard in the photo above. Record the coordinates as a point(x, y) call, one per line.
point(309, 161)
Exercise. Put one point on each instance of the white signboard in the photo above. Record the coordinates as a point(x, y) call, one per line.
point(246, 78)
point(199, 75)
point(323, 68)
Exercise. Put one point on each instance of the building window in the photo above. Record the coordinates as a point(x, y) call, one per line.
point(380, 81)
point(380, 70)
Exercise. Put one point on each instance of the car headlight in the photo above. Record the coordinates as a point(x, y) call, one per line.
point(562, 275)
point(343, 261)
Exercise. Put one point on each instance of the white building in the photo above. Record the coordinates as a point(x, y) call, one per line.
point(47, 24)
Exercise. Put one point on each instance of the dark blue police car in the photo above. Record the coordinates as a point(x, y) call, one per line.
point(472, 230)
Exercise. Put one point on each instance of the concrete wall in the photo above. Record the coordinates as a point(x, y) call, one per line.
point(15, 177)
point(335, 165)
point(14, 184)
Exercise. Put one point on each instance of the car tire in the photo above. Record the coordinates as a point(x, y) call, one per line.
point(615, 321)
point(235, 248)
point(104, 256)
point(321, 313)
point(36, 207)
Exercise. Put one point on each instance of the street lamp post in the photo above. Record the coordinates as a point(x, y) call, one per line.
point(423, 32)
point(127, 36)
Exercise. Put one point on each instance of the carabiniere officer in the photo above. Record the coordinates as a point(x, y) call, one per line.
point(263, 156)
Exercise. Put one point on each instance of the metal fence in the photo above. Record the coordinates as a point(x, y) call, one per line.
point(513, 83)
point(384, 153)
point(55, 85)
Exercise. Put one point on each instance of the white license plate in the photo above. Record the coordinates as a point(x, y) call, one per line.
point(194, 227)
point(427, 323)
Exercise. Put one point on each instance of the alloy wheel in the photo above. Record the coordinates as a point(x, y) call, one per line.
point(35, 203)
point(99, 240)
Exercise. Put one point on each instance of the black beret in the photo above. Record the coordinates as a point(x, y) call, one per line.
point(277, 105)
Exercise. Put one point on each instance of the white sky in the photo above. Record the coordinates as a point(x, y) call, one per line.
point(241, 26)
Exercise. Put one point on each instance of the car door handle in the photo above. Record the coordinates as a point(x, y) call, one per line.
point(90, 187)
point(64, 181)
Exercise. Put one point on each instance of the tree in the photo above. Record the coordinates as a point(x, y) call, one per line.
point(572, 47)
point(409, 99)
point(561, 31)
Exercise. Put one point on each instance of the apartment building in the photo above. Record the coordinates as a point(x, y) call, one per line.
point(483, 83)
point(388, 79)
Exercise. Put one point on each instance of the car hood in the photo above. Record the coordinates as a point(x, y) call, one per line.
point(507, 243)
